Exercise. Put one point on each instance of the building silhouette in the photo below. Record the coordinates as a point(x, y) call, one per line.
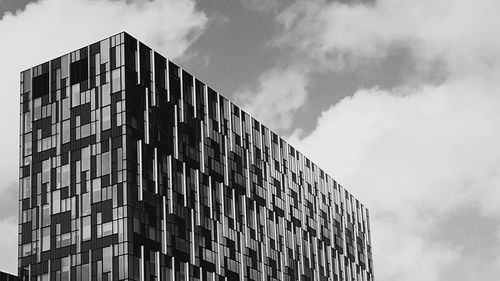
point(133, 169)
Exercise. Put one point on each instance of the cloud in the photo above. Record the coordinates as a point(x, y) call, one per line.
point(9, 200)
point(412, 159)
point(338, 35)
point(261, 5)
point(265, 100)
point(417, 153)
point(8, 244)
point(50, 28)
point(325, 36)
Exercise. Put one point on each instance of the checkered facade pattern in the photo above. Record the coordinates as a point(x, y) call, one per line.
point(133, 169)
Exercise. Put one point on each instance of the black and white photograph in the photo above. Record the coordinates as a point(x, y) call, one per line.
point(235, 140)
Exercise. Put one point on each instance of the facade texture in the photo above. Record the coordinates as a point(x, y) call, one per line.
point(132, 169)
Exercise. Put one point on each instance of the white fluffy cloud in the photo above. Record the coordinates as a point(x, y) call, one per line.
point(412, 159)
point(416, 153)
point(50, 28)
point(265, 101)
point(335, 34)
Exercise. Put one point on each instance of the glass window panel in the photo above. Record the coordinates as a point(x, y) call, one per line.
point(46, 143)
point(46, 215)
point(26, 81)
point(106, 118)
point(116, 80)
point(86, 204)
point(64, 66)
point(106, 163)
point(27, 144)
point(65, 109)
point(65, 175)
point(85, 228)
point(96, 190)
point(26, 249)
point(46, 171)
point(26, 187)
point(85, 272)
point(107, 229)
point(56, 204)
point(85, 130)
point(65, 265)
point(58, 78)
point(66, 131)
point(107, 258)
point(45, 239)
point(105, 95)
point(37, 105)
point(104, 50)
point(27, 122)
point(86, 159)
point(75, 95)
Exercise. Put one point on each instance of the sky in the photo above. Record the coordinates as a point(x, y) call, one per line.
point(397, 100)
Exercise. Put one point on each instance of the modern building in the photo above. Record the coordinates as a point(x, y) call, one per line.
point(133, 169)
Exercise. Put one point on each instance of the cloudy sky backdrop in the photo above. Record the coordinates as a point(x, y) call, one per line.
point(399, 100)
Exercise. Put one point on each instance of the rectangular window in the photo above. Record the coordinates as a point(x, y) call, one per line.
point(26, 182)
point(26, 249)
point(75, 95)
point(85, 272)
point(96, 190)
point(46, 215)
point(107, 228)
point(37, 105)
point(86, 228)
point(46, 143)
point(65, 265)
point(116, 80)
point(65, 131)
point(56, 202)
point(106, 118)
point(64, 66)
point(105, 95)
point(65, 175)
point(86, 158)
point(85, 131)
point(104, 50)
point(107, 259)
point(106, 163)
point(86, 204)
point(27, 122)
point(65, 109)
point(46, 171)
point(27, 144)
point(45, 239)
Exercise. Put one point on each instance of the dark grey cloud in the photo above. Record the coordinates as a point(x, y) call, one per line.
point(13, 5)
point(396, 68)
point(236, 46)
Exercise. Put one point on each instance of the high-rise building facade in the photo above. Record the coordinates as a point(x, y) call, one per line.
point(133, 169)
